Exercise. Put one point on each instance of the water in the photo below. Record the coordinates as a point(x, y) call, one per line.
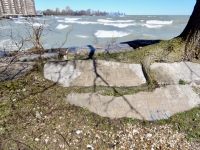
point(88, 30)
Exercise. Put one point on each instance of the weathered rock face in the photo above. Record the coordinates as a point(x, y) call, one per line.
point(18, 69)
point(171, 73)
point(90, 73)
point(160, 104)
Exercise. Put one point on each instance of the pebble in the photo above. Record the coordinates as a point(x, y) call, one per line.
point(90, 147)
point(148, 135)
point(78, 132)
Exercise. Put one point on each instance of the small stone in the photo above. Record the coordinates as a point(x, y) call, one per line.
point(38, 115)
point(78, 132)
point(37, 139)
point(46, 140)
point(90, 147)
point(148, 135)
point(135, 131)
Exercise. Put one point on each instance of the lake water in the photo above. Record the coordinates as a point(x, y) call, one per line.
point(105, 29)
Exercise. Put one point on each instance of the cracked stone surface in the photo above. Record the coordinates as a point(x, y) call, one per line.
point(91, 72)
point(171, 73)
point(160, 104)
point(16, 70)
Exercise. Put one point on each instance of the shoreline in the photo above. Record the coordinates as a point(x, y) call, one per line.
point(87, 49)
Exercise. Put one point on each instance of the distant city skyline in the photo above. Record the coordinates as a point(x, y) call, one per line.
point(12, 7)
point(130, 7)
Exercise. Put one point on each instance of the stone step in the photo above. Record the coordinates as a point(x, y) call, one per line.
point(171, 73)
point(94, 73)
point(159, 104)
point(33, 57)
point(15, 70)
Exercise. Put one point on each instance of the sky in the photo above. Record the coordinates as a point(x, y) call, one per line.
point(130, 7)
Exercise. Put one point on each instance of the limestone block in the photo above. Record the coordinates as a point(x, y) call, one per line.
point(91, 72)
point(171, 73)
point(160, 104)
point(15, 70)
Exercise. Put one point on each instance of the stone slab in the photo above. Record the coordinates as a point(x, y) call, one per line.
point(91, 72)
point(159, 104)
point(115, 47)
point(15, 70)
point(37, 56)
point(171, 73)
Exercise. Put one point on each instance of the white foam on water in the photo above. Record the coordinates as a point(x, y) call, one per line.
point(120, 25)
point(158, 22)
point(7, 27)
point(82, 36)
point(60, 20)
point(152, 26)
point(61, 26)
point(75, 20)
point(39, 24)
point(8, 45)
point(110, 34)
point(20, 22)
point(58, 17)
point(86, 22)
point(72, 19)
point(40, 19)
point(148, 35)
point(108, 21)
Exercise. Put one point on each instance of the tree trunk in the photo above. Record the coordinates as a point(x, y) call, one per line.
point(191, 34)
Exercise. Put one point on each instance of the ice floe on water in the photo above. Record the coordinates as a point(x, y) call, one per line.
point(61, 26)
point(110, 34)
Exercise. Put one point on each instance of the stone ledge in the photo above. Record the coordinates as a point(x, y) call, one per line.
point(16, 70)
point(171, 73)
point(94, 73)
point(160, 104)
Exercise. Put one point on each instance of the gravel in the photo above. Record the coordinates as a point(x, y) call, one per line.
point(131, 137)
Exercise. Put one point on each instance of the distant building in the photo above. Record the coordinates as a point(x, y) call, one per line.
point(68, 9)
point(15, 7)
point(57, 10)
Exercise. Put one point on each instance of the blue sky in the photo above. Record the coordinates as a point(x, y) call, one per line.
point(130, 7)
